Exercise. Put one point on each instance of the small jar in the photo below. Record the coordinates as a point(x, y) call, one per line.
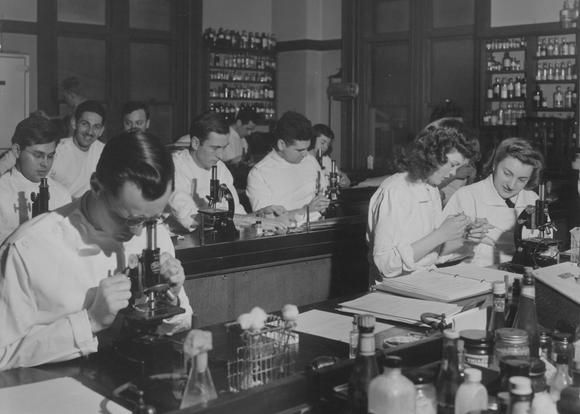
point(426, 397)
point(511, 342)
point(561, 344)
point(545, 345)
point(478, 347)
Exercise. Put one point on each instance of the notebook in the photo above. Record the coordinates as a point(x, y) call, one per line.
point(447, 284)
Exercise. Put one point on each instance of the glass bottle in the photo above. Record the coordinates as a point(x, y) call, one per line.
point(497, 317)
point(392, 392)
point(471, 394)
point(521, 395)
point(449, 376)
point(365, 366)
point(569, 402)
point(558, 98)
point(561, 378)
point(426, 397)
point(526, 316)
point(542, 402)
point(538, 96)
point(512, 367)
point(353, 338)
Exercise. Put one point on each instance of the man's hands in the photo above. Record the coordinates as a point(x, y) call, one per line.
point(112, 295)
point(319, 203)
point(172, 271)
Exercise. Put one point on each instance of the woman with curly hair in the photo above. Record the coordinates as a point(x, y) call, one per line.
point(512, 173)
point(406, 226)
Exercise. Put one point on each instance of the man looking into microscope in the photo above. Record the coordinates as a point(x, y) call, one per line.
point(62, 276)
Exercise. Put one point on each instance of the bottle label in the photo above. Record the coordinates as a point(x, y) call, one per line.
point(367, 344)
point(529, 292)
point(477, 359)
point(499, 304)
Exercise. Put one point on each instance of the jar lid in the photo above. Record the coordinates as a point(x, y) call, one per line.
point(512, 335)
point(475, 336)
point(421, 377)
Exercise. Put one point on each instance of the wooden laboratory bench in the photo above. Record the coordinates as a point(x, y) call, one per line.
point(226, 279)
point(305, 390)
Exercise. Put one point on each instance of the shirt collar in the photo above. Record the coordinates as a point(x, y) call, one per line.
point(492, 197)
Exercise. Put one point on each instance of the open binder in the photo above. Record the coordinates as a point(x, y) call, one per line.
point(446, 284)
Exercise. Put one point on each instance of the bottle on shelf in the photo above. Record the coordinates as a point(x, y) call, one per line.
point(392, 392)
point(449, 377)
point(538, 98)
point(365, 366)
point(558, 98)
point(507, 61)
point(526, 317)
point(471, 394)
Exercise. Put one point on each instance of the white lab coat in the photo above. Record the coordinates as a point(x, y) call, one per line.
point(400, 213)
point(51, 267)
point(187, 170)
point(236, 147)
point(15, 203)
point(73, 168)
point(481, 200)
point(275, 181)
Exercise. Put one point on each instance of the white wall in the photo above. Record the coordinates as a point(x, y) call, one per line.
point(516, 12)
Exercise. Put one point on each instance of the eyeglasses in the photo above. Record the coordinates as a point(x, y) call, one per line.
point(128, 221)
point(41, 156)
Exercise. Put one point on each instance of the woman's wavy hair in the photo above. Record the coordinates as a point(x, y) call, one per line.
point(429, 149)
point(523, 151)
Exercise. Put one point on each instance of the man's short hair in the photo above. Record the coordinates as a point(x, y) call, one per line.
point(208, 122)
point(137, 157)
point(322, 129)
point(133, 106)
point(34, 130)
point(90, 106)
point(245, 115)
point(293, 126)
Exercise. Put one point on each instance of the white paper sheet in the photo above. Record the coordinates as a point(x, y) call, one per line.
point(397, 308)
point(330, 325)
point(61, 395)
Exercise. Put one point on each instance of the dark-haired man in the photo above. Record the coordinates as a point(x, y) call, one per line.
point(243, 126)
point(62, 276)
point(209, 137)
point(135, 116)
point(289, 176)
point(77, 156)
point(34, 140)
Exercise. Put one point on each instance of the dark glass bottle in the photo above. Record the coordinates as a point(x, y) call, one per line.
point(526, 316)
point(449, 376)
point(365, 366)
point(497, 317)
point(569, 402)
point(513, 304)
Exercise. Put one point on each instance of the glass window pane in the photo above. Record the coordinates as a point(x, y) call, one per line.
point(161, 123)
point(150, 72)
point(85, 60)
point(452, 74)
point(390, 130)
point(24, 10)
point(453, 13)
point(82, 11)
point(391, 74)
point(391, 16)
point(150, 14)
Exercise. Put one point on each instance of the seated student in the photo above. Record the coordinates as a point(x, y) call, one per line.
point(62, 275)
point(135, 115)
point(243, 125)
point(500, 198)
point(35, 139)
point(321, 146)
point(209, 132)
point(77, 156)
point(406, 227)
point(289, 176)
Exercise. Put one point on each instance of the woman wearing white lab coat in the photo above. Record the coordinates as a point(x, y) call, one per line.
point(500, 198)
point(406, 226)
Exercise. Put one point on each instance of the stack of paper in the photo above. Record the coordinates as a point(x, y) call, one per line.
point(447, 284)
point(397, 308)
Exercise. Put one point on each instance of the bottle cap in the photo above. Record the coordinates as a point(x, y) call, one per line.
point(511, 335)
point(498, 288)
point(393, 361)
point(520, 385)
point(451, 334)
point(472, 374)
